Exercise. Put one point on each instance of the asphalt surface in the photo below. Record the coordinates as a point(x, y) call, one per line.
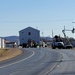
point(67, 65)
point(44, 61)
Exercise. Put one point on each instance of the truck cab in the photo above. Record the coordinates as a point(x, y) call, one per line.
point(59, 45)
point(57, 42)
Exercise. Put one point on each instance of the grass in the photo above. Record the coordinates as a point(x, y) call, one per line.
point(4, 51)
point(9, 53)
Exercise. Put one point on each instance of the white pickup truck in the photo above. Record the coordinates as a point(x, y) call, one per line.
point(59, 45)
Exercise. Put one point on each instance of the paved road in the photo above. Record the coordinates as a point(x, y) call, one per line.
point(67, 65)
point(31, 62)
point(40, 62)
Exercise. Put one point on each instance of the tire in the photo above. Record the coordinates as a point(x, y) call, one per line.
point(53, 47)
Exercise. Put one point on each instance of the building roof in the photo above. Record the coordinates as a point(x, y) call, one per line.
point(29, 28)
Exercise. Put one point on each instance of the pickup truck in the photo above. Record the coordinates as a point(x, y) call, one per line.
point(59, 45)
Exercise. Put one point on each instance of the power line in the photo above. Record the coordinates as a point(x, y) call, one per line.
point(36, 21)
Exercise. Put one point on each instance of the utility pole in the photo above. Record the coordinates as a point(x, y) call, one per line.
point(64, 32)
point(42, 33)
point(52, 34)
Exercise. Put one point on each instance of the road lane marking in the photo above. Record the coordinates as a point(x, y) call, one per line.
point(57, 65)
point(18, 61)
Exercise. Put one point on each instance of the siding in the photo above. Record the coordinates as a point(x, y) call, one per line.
point(29, 33)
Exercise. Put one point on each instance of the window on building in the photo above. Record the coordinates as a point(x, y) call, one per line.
point(29, 33)
point(22, 32)
point(22, 39)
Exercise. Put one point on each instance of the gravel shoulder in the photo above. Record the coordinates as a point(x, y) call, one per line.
point(9, 53)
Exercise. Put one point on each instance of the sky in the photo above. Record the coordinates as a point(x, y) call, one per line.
point(44, 15)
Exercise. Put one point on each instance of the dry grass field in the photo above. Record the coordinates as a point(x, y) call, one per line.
point(9, 53)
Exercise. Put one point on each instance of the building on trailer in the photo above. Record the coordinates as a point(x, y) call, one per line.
point(29, 36)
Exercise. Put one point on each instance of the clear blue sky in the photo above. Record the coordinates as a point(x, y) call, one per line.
point(45, 15)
